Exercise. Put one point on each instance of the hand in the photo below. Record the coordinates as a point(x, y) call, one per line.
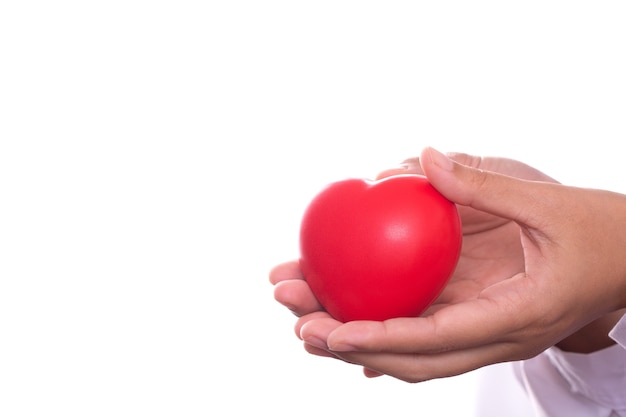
point(591, 337)
point(513, 294)
point(491, 250)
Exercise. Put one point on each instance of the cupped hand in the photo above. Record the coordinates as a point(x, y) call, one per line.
point(491, 250)
point(535, 267)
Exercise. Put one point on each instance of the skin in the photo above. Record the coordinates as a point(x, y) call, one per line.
point(542, 264)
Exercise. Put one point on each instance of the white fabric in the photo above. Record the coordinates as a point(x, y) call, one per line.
point(563, 384)
point(619, 332)
point(499, 394)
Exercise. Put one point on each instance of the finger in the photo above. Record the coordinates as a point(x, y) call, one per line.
point(409, 166)
point(414, 368)
point(488, 191)
point(316, 344)
point(506, 166)
point(370, 373)
point(319, 352)
point(297, 296)
point(285, 271)
point(413, 166)
point(315, 330)
point(322, 316)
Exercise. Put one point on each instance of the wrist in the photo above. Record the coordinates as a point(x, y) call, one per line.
point(592, 337)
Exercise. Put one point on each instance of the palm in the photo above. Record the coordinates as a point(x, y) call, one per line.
point(488, 256)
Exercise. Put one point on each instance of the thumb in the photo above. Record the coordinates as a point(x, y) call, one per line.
point(487, 191)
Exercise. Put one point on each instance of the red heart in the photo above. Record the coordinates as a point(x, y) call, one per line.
point(374, 250)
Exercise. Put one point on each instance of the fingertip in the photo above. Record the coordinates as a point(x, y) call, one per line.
point(370, 373)
point(285, 271)
point(313, 350)
point(283, 293)
point(435, 158)
point(355, 335)
point(315, 329)
point(408, 166)
point(303, 328)
point(297, 296)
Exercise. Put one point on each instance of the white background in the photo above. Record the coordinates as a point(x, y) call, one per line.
point(155, 158)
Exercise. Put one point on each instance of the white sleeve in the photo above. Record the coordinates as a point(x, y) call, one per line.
point(567, 384)
point(619, 332)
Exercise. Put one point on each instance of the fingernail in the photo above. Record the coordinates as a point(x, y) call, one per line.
point(341, 347)
point(440, 159)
